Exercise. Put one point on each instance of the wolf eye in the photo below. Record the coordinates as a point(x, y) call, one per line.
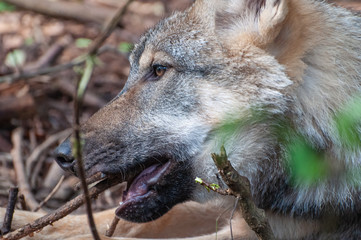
point(159, 70)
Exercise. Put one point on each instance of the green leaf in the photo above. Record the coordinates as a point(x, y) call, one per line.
point(5, 7)
point(28, 41)
point(348, 124)
point(82, 42)
point(307, 165)
point(125, 47)
point(215, 186)
point(89, 67)
point(15, 58)
point(198, 180)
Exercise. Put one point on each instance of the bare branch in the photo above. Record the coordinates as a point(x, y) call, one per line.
point(62, 211)
point(20, 169)
point(39, 150)
point(70, 10)
point(239, 186)
point(51, 194)
point(112, 227)
point(13, 195)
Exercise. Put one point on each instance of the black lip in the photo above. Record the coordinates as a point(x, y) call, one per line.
point(173, 187)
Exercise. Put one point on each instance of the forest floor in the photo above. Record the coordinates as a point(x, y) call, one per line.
point(42, 106)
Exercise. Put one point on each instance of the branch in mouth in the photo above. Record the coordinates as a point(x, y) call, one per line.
point(64, 210)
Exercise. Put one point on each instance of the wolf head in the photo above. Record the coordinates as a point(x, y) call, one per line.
point(189, 75)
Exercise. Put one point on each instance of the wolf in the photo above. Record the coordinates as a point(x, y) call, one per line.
point(214, 63)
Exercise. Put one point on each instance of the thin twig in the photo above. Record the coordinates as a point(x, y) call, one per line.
point(239, 186)
point(39, 150)
point(232, 214)
point(77, 144)
point(22, 202)
point(110, 231)
point(51, 194)
point(62, 211)
point(22, 180)
point(95, 178)
point(110, 26)
point(209, 186)
point(79, 94)
point(43, 71)
point(51, 70)
point(13, 195)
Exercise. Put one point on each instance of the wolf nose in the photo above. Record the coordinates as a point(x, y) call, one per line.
point(64, 156)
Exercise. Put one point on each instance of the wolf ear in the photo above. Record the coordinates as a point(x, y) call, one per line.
point(257, 22)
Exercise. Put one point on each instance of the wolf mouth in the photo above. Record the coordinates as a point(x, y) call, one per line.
point(142, 188)
point(152, 192)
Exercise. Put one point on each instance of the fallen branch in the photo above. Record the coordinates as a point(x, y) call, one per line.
point(39, 150)
point(110, 231)
point(54, 69)
point(239, 186)
point(65, 9)
point(62, 211)
point(51, 194)
point(20, 169)
point(13, 195)
point(51, 54)
point(43, 71)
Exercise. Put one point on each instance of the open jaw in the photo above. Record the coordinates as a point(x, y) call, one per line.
point(155, 190)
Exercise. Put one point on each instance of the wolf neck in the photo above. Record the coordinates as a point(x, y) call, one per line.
point(323, 63)
point(326, 72)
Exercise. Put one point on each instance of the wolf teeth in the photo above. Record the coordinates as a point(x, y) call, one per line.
point(120, 203)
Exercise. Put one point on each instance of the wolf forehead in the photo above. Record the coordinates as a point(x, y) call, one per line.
point(183, 38)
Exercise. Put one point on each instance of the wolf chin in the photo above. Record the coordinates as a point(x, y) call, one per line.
point(216, 61)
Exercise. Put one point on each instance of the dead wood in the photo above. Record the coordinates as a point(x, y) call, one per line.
point(10, 78)
point(61, 212)
point(13, 195)
point(17, 139)
point(39, 150)
point(110, 231)
point(65, 9)
point(90, 98)
point(51, 54)
point(239, 186)
point(17, 107)
point(51, 194)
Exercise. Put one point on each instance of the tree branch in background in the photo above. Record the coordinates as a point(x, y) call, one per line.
point(239, 186)
point(20, 169)
point(51, 194)
point(110, 26)
point(66, 9)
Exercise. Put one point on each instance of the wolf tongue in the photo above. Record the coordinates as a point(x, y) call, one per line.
point(144, 180)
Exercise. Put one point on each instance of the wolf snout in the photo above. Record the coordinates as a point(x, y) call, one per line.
point(64, 156)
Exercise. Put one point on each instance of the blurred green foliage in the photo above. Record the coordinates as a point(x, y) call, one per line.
point(5, 7)
point(348, 124)
point(15, 58)
point(125, 47)
point(306, 163)
point(83, 42)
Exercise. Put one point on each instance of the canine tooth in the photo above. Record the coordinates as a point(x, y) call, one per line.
point(120, 203)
